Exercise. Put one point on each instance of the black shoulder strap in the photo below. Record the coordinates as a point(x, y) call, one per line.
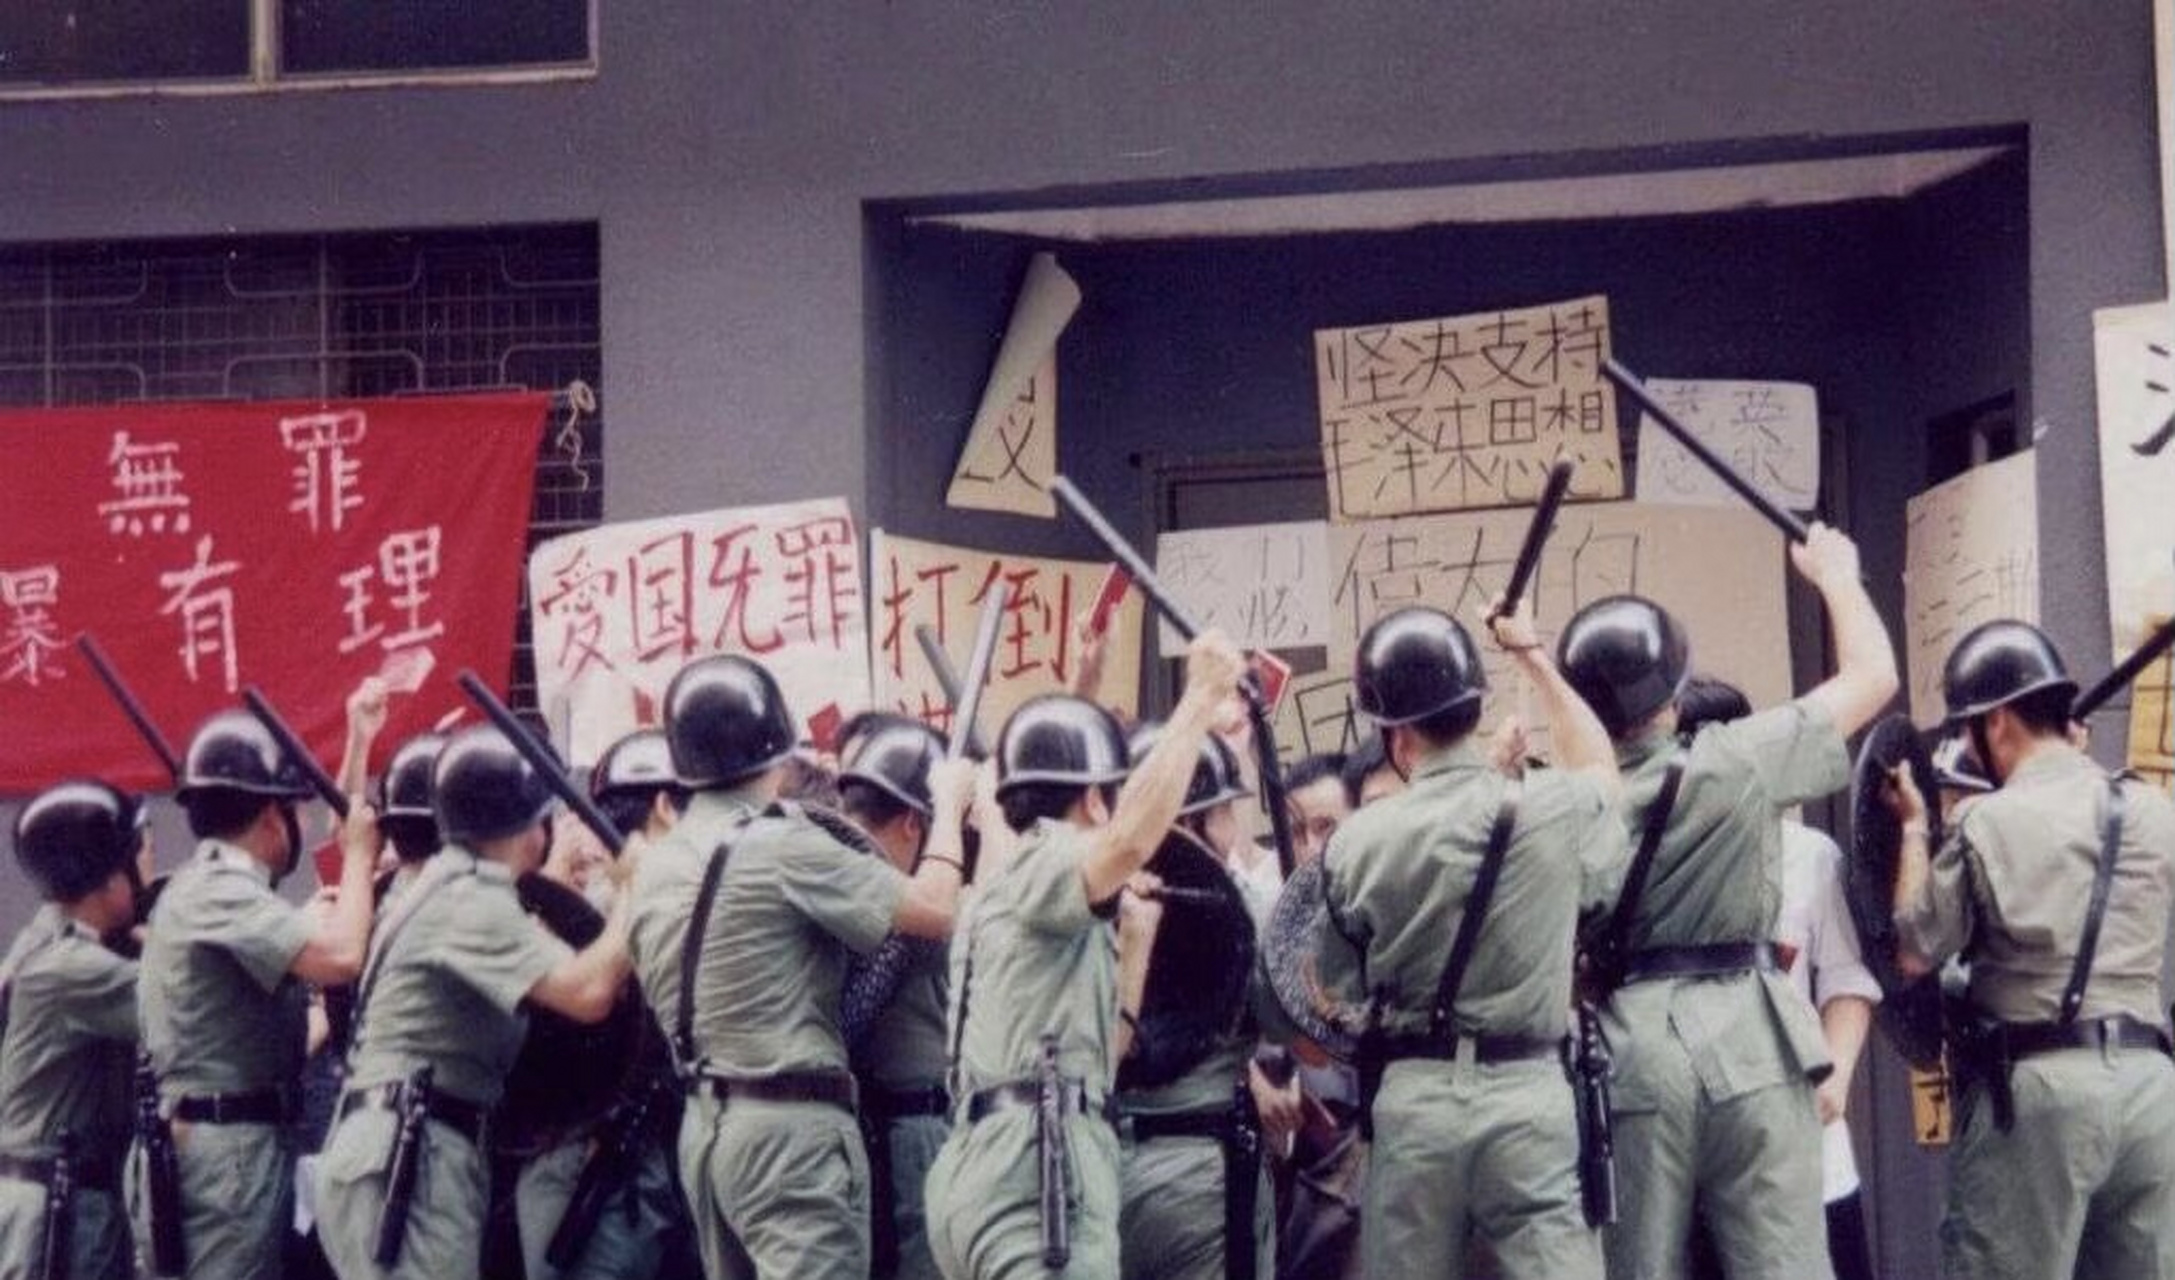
point(2103, 876)
point(1476, 907)
point(683, 1021)
point(1642, 862)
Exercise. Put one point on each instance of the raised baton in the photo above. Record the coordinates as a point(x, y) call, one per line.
point(321, 782)
point(1629, 383)
point(541, 759)
point(1544, 522)
point(2128, 669)
point(1257, 709)
point(110, 676)
point(947, 679)
point(968, 702)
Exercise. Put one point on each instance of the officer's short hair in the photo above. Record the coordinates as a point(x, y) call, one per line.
point(2044, 711)
point(221, 813)
point(1704, 700)
point(1030, 802)
point(1447, 728)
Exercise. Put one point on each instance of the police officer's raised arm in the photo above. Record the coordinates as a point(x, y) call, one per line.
point(1152, 796)
point(584, 986)
point(1865, 669)
point(335, 950)
point(1580, 740)
point(931, 899)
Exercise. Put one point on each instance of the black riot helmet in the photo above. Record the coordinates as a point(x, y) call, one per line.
point(1415, 664)
point(894, 757)
point(725, 721)
point(404, 797)
point(71, 838)
point(630, 774)
point(1215, 771)
point(1059, 740)
point(1626, 657)
point(483, 789)
point(234, 752)
point(1997, 663)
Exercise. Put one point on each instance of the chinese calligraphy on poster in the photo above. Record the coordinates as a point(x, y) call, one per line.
point(1768, 431)
point(1971, 554)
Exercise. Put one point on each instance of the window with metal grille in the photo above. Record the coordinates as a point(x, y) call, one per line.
point(325, 317)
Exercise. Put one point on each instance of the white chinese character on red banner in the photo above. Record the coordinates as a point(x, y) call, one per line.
point(148, 479)
point(206, 612)
point(408, 564)
point(578, 594)
point(27, 646)
point(325, 477)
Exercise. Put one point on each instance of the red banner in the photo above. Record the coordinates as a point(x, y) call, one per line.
point(298, 547)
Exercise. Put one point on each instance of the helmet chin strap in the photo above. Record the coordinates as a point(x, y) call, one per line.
point(1389, 755)
point(292, 821)
point(1982, 745)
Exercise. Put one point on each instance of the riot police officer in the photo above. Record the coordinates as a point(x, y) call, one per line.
point(1716, 1054)
point(439, 1018)
point(222, 1002)
point(1039, 996)
point(67, 1037)
point(747, 982)
point(1452, 904)
point(2057, 888)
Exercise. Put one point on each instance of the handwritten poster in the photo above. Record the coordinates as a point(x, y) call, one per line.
point(1265, 585)
point(295, 546)
point(1971, 555)
point(2134, 352)
point(618, 610)
point(1466, 411)
point(1719, 570)
point(1011, 450)
point(1768, 431)
point(919, 583)
point(2152, 720)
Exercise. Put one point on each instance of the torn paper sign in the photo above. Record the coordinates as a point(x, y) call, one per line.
point(1970, 555)
point(1266, 586)
point(2134, 356)
point(1011, 450)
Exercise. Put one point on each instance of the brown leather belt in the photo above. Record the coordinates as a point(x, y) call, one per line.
point(825, 1088)
point(2026, 1039)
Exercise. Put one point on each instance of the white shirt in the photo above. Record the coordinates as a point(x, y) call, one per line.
point(1828, 964)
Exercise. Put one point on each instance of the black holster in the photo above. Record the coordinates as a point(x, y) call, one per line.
point(403, 1164)
point(1370, 1059)
point(611, 1167)
point(57, 1251)
point(1590, 1068)
point(1241, 1185)
point(1979, 1064)
point(161, 1175)
point(883, 1221)
point(1052, 1159)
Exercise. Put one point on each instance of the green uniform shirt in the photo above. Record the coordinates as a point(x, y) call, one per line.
point(1043, 962)
point(453, 964)
point(663, 896)
point(1717, 877)
point(1400, 870)
point(67, 1049)
point(2012, 882)
point(905, 1046)
point(220, 1012)
point(793, 902)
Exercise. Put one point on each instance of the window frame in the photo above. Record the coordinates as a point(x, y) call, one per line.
point(266, 76)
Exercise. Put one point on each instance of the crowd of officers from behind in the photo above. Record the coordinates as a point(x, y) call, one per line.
point(807, 1013)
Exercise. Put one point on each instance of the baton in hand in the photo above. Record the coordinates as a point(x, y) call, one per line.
point(969, 701)
point(2127, 670)
point(542, 759)
point(110, 676)
point(1544, 522)
point(292, 746)
point(947, 679)
point(1792, 527)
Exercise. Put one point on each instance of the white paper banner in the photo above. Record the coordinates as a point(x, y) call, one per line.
point(1266, 585)
point(1768, 431)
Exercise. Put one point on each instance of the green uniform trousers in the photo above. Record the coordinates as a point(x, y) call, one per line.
point(237, 1199)
point(985, 1215)
point(1462, 1150)
point(648, 1241)
point(913, 1143)
point(2082, 1185)
point(444, 1239)
point(98, 1247)
point(1750, 1164)
point(776, 1189)
point(1171, 1215)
